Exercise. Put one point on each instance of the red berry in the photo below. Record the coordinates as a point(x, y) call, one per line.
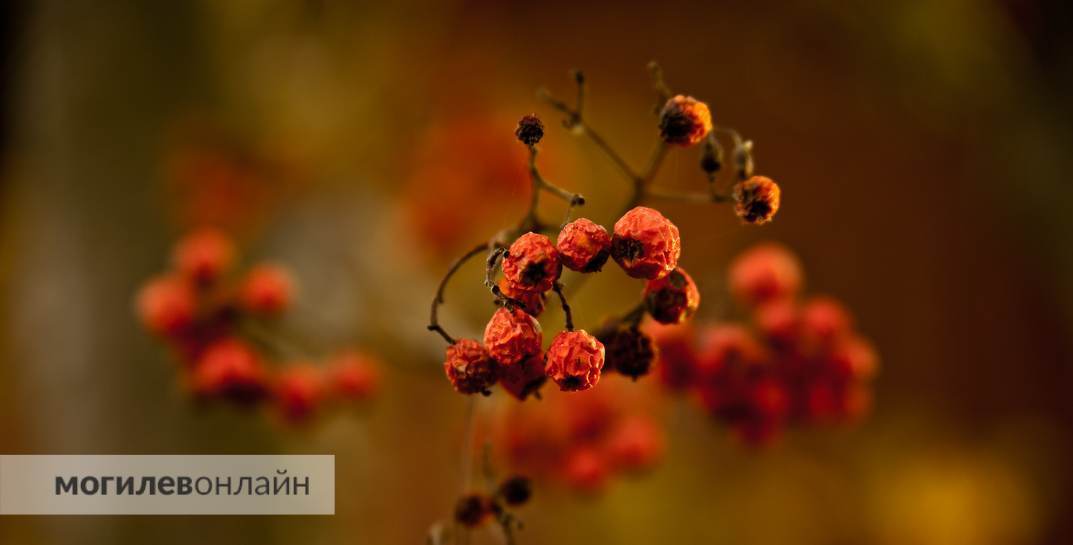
point(230, 368)
point(267, 289)
point(854, 359)
point(779, 322)
point(532, 263)
point(824, 321)
point(585, 470)
point(764, 273)
point(637, 444)
point(676, 356)
point(299, 392)
point(353, 375)
point(166, 305)
point(204, 255)
point(524, 378)
point(684, 121)
point(469, 367)
point(584, 246)
point(646, 244)
point(672, 299)
point(629, 351)
point(726, 348)
point(757, 199)
point(574, 360)
point(512, 336)
point(532, 302)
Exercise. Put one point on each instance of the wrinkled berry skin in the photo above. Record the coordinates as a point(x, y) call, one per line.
point(267, 290)
point(684, 121)
point(469, 367)
point(512, 336)
point(532, 302)
point(757, 200)
point(524, 378)
point(672, 299)
point(530, 130)
point(532, 263)
point(166, 305)
point(584, 246)
point(629, 351)
point(765, 273)
point(574, 360)
point(204, 255)
point(646, 244)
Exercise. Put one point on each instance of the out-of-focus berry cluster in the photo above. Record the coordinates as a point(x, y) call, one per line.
point(644, 243)
point(214, 319)
point(583, 442)
point(795, 361)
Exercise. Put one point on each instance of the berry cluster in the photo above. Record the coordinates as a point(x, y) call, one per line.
point(583, 441)
point(213, 319)
point(644, 244)
point(476, 508)
point(795, 362)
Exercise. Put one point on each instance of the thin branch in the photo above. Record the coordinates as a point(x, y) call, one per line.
point(433, 320)
point(558, 288)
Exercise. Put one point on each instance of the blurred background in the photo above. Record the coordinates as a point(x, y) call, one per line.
point(922, 148)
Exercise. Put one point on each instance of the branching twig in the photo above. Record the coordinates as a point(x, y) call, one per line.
point(433, 320)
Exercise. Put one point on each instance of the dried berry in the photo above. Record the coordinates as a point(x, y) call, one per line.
point(824, 321)
point(672, 299)
point(584, 246)
point(574, 360)
point(469, 367)
point(726, 348)
point(646, 244)
point(684, 121)
point(636, 444)
point(757, 199)
point(512, 336)
point(530, 130)
point(764, 273)
point(675, 354)
point(166, 305)
point(354, 375)
point(524, 378)
point(472, 510)
point(629, 351)
point(515, 490)
point(532, 263)
point(532, 302)
point(267, 289)
point(204, 255)
point(299, 392)
point(230, 369)
point(854, 359)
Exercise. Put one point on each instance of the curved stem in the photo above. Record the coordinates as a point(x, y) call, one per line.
point(558, 288)
point(433, 320)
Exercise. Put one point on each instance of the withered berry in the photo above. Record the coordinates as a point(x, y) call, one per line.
point(203, 255)
point(629, 351)
point(574, 360)
point(672, 299)
point(512, 336)
point(472, 510)
point(531, 302)
point(584, 246)
point(757, 200)
point(684, 121)
point(515, 490)
point(166, 305)
point(646, 244)
point(530, 130)
point(524, 378)
point(469, 367)
point(764, 273)
point(267, 289)
point(532, 263)
point(299, 392)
